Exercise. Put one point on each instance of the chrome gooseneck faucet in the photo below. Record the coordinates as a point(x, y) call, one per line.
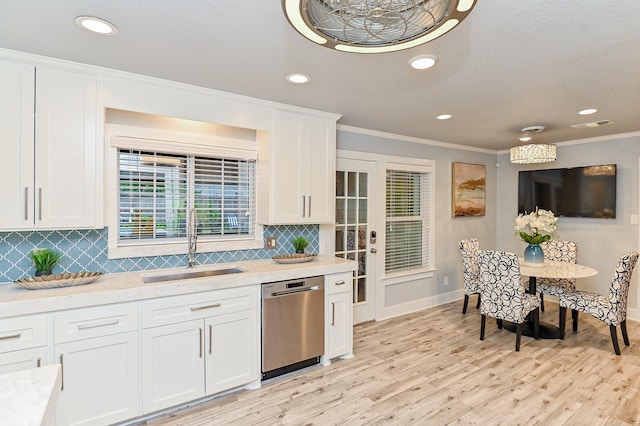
point(192, 236)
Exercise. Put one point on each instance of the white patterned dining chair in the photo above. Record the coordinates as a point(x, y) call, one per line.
point(610, 308)
point(502, 295)
point(559, 251)
point(470, 270)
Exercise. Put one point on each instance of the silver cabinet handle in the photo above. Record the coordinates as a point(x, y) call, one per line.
point(61, 372)
point(333, 314)
point(39, 362)
point(200, 329)
point(86, 325)
point(26, 203)
point(210, 339)
point(11, 336)
point(304, 205)
point(39, 203)
point(309, 205)
point(199, 308)
point(340, 282)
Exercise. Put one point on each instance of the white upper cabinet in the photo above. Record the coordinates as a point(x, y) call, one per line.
point(296, 179)
point(48, 131)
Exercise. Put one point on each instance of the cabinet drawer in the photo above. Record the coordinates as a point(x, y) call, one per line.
point(338, 283)
point(170, 310)
point(95, 322)
point(23, 333)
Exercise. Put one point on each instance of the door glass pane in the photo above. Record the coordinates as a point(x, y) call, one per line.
point(362, 237)
point(352, 184)
point(362, 211)
point(361, 292)
point(339, 238)
point(339, 184)
point(340, 211)
point(362, 187)
point(351, 238)
point(352, 211)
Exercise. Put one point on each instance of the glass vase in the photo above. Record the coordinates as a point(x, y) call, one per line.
point(534, 256)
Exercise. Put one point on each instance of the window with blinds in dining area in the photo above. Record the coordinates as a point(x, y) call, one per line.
point(407, 233)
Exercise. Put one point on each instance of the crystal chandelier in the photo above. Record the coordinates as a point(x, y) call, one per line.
point(374, 26)
point(532, 153)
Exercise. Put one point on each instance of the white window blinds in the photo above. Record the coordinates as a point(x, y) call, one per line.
point(407, 232)
point(157, 190)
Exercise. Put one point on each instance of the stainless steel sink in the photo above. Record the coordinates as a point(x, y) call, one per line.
point(186, 275)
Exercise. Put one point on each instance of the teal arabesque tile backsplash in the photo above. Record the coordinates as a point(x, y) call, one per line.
point(86, 250)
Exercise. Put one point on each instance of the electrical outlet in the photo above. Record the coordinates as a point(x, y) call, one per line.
point(446, 281)
point(271, 243)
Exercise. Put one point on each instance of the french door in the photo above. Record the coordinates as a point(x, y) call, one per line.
point(355, 236)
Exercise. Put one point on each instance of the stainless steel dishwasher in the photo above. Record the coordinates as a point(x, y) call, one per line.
point(292, 325)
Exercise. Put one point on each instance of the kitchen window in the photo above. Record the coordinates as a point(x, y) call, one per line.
point(156, 189)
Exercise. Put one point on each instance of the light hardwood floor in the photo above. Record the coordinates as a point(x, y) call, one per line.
point(430, 368)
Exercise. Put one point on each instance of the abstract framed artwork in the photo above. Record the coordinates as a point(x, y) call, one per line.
point(469, 189)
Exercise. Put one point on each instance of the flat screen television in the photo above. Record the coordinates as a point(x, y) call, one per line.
point(588, 191)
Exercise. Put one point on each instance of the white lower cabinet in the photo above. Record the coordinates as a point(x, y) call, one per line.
point(339, 327)
point(98, 350)
point(214, 347)
point(23, 343)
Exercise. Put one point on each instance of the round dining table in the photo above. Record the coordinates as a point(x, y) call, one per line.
point(550, 269)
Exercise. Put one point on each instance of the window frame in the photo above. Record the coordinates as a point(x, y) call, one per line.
point(127, 137)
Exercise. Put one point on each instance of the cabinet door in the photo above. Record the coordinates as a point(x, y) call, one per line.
point(303, 169)
point(100, 382)
point(232, 351)
point(340, 325)
point(16, 146)
point(65, 150)
point(22, 360)
point(172, 364)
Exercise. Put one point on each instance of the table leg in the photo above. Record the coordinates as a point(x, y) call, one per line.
point(546, 331)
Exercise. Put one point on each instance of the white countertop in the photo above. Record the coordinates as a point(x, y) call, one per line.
point(29, 397)
point(126, 287)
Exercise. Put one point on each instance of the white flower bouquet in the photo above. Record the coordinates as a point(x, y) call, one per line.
point(536, 227)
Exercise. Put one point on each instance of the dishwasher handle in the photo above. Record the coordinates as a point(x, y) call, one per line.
point(288, 292)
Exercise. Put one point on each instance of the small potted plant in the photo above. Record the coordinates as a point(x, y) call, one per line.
point(44, 260)
point(300, 244)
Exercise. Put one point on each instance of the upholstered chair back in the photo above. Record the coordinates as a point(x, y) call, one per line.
point(470, 268)
point(619, 288)
point(560, 251)
point(501, 290)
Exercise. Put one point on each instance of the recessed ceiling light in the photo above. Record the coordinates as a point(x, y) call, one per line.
point(525, 138)
point(298, 78)
point(444, 116)
point(587, 111)
point(422, 62)
point(96, 25)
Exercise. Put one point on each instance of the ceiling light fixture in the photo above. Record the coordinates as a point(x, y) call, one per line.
point(375, 26)
point(298, 78)
point(423, 62)
point(444, 116)
point(532, 153)
point(588, 111)
point(96, 25)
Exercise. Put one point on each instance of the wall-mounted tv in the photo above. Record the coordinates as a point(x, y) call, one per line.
point(588, 191)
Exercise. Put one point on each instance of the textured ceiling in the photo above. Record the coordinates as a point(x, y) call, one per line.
point(510, 64)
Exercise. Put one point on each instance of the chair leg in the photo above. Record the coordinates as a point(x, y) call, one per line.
point(563, 321)
point(625, 336)
point(574, 316)
point(518, 334)
point(499, 323)
point(466, 302)
point(614, 339)
point(478, 303)
point(542, 302)
point(536, 324)
point(483, 321)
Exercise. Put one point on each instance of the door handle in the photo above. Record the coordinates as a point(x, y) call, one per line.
point(374, 250)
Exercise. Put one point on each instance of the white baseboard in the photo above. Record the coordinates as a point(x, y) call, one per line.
point(419, 305)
